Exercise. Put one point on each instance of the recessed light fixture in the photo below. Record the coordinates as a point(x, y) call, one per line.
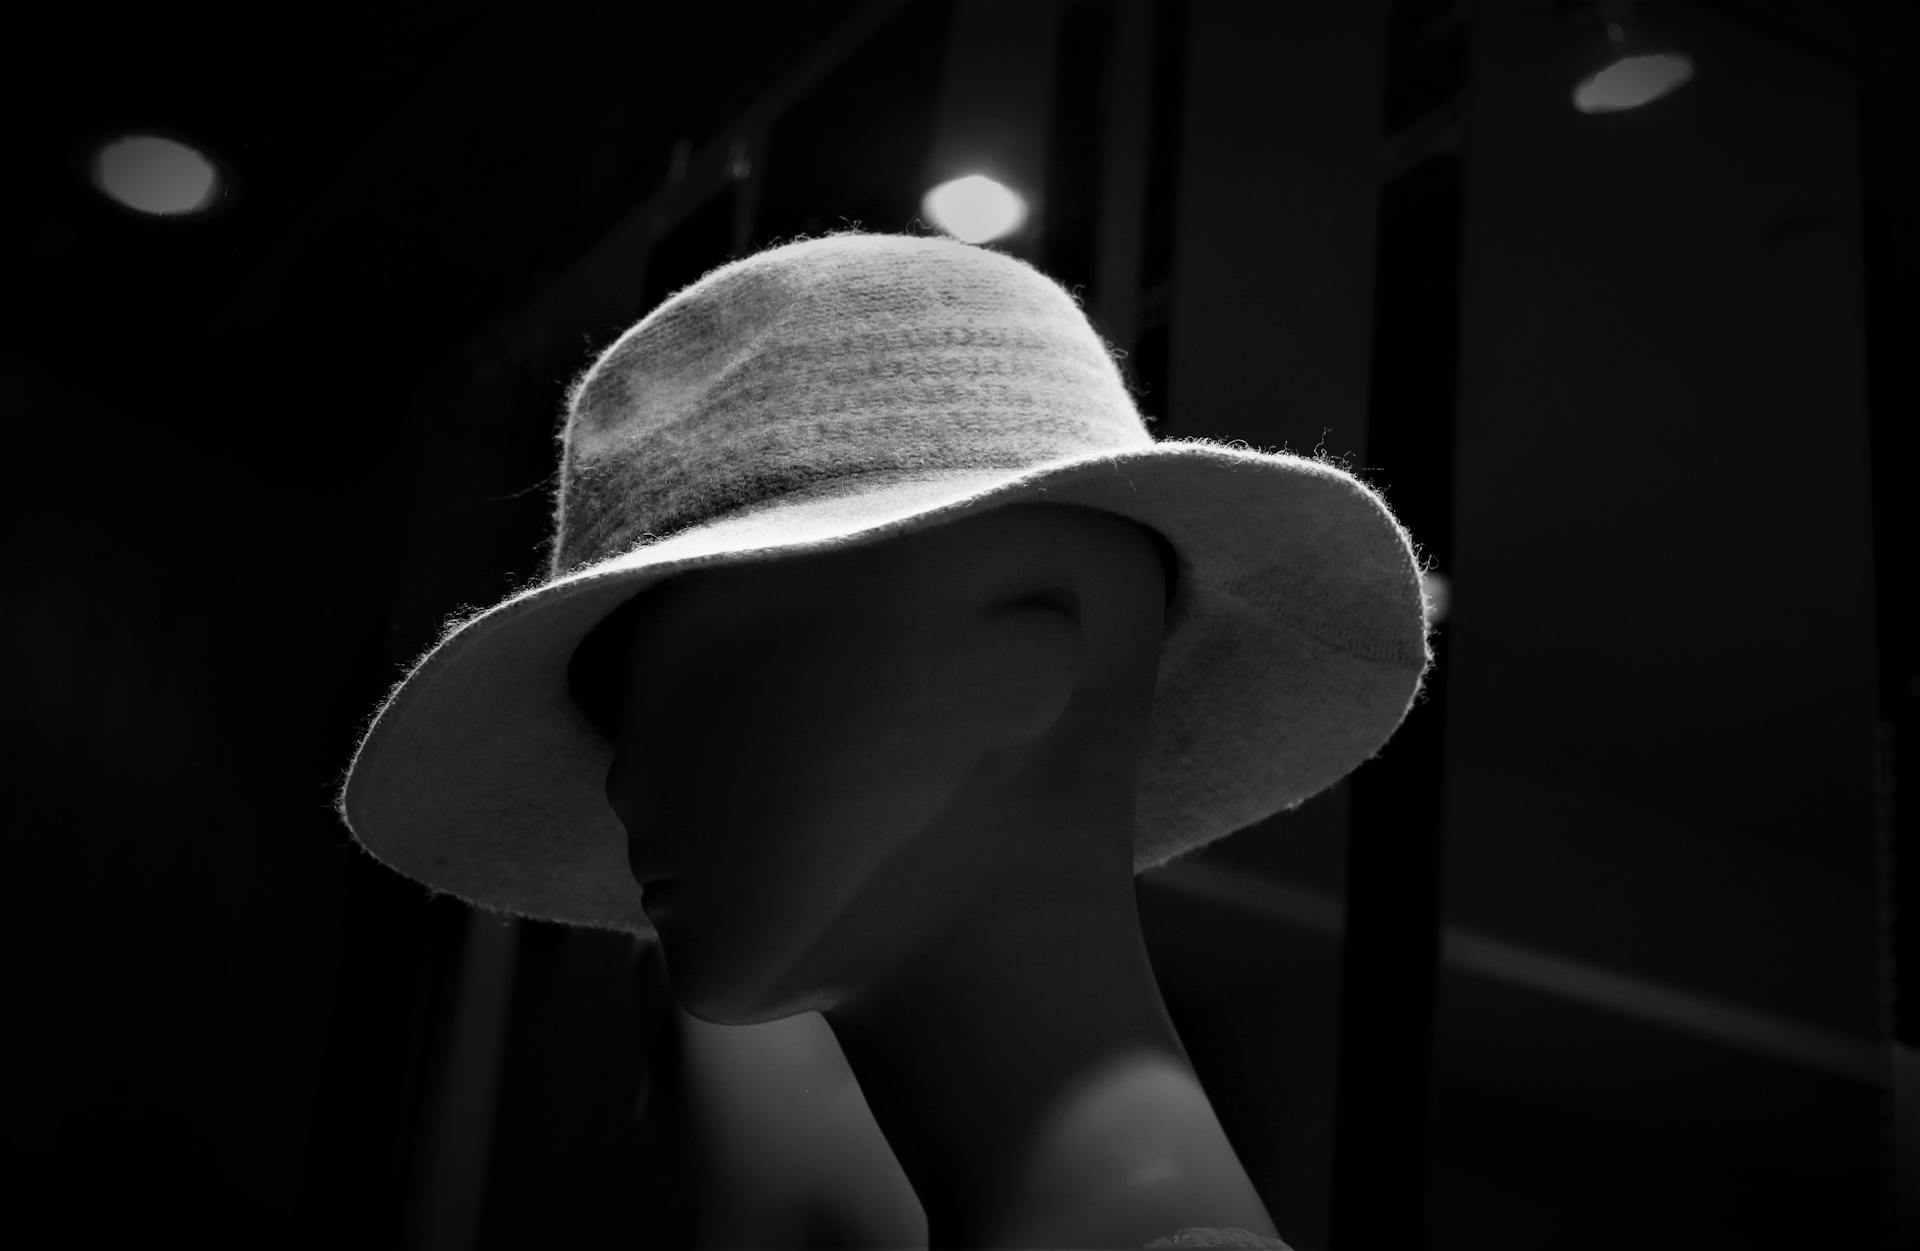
point(156, 175)
point(1630, 66)
point(975, 209)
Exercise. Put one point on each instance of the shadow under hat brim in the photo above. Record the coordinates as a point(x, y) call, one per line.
point(1296, 644)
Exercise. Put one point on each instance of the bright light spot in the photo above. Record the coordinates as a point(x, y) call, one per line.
point(152, 174)
point(1633, 81)
point(974, 209)
point(1437, 591)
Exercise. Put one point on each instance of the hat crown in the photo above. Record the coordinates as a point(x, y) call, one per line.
point(831, 364)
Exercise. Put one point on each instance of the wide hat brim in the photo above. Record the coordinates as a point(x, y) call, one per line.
point(1297, 641)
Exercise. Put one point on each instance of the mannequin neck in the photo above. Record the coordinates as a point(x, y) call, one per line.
point(1035, 1091)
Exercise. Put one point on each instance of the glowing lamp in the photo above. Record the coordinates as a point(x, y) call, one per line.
point(974, 209)
point(157, 175)
point(1630, 71)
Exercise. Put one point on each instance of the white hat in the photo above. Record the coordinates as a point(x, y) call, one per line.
point(839, 391)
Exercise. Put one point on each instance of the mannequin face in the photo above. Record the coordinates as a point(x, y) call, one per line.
point(835, 758)
point(895, 785)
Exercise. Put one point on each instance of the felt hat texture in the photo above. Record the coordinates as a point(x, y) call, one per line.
point(839, 391)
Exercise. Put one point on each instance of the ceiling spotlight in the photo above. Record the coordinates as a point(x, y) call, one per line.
point(157, 175)
point(1629, 67)
point(974, 209)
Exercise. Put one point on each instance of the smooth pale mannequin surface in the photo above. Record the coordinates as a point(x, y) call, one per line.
point(895, 785)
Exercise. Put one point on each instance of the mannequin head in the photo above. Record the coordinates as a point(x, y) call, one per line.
point(895, 785)
point(851, 762)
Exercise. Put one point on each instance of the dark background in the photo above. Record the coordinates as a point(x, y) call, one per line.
point(1614, 945)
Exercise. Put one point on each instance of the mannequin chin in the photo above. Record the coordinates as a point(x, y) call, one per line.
point(894, 784)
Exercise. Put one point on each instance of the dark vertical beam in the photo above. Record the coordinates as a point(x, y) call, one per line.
point(1390, 957)
point(451, 1168)
point(1165, 117)
point(1890, 264)
point(1152, 349)
point(1121, 204)
point(374, 1119)
point(1076, 147)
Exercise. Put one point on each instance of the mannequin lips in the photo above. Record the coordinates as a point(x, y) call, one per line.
point(657, 892)
point(646, 873)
